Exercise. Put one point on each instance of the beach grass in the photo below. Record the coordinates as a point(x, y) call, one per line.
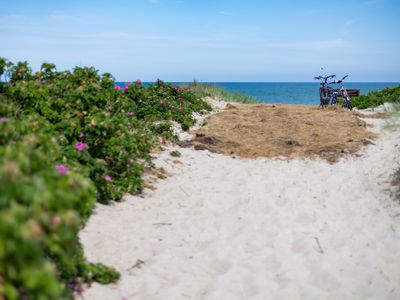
point(395, 113)
point(380, 97)
point(217, 92)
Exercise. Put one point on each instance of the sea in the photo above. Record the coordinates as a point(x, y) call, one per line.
point(290, 92)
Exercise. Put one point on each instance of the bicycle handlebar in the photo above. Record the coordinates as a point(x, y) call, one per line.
point(325, 78)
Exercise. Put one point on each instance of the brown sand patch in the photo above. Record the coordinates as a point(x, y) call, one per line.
point(256, 130)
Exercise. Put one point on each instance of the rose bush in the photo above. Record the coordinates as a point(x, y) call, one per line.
point(67, 139)
point(43, 204)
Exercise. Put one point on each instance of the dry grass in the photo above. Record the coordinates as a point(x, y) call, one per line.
point(261, 130)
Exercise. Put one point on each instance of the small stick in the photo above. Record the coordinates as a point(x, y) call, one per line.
point(319, 245)
point(138, 264)
point(162, 224)
point(183, 191)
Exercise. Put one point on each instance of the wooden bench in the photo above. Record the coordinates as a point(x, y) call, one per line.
point(352, 93)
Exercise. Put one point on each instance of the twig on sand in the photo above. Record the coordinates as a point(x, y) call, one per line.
point(162, 224)
point(319, 245)
point(184, 191)
point(138, 264)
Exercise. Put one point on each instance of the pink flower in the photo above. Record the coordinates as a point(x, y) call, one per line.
point(3, 119)
point(161, 102)
point(130, 113)
point(107, 178)
point(138, 81)
point(61, 169)
point(81, 134)
point(126, 89)
point(80, 146)
point(127, 84)
point(118, 88)
point(180, 108)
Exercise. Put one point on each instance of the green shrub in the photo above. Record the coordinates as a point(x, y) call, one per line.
point(67, 138)
point(164, 101)
point(43, 205)
point(376, 98)
point(108, 131)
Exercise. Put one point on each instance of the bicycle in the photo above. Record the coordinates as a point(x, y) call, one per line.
point(343, 92)
point(324, 89)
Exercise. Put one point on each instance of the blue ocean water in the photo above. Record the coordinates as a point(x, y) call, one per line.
point(291, 92)
point(294, 92)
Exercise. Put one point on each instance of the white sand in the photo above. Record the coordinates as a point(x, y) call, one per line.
point(225, 228)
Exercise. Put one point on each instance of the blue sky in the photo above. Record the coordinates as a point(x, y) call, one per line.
point(219, 40)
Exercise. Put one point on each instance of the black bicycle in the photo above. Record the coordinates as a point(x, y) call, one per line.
point(324, 89)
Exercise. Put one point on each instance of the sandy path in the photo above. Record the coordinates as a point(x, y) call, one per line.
point(224, 228)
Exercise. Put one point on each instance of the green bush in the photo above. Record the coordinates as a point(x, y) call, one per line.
point(164, 101)
point(67, 138)
point(376, 98)
point(109, 131)
point(43, 204)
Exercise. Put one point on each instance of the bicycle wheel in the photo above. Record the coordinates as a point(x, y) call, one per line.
point(334, 98)
point(349, 105)
point(321, 97)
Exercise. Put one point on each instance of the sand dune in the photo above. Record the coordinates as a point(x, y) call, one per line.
point(229, 228)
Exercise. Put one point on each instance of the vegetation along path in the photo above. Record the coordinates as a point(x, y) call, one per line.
point(222, 227)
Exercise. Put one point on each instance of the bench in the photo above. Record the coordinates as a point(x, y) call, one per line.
point(353, 92)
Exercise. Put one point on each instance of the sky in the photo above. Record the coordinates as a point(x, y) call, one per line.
point(208, 40)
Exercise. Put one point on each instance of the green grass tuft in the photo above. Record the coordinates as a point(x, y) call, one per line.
point(393, 123)
point(217, 92)
point(376, 98)
point(175, 153)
